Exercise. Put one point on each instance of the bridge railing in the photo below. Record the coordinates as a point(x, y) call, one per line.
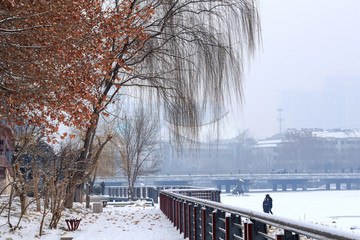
point(203, 219)
point(139, 193)
point(210, 194)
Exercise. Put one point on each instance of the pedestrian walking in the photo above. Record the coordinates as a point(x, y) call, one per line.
point(267, 204)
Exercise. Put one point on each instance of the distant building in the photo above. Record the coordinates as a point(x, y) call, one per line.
point(312, 150)
point(6, 146)
point(266, 152)
point(342, 98)
point(334, 107)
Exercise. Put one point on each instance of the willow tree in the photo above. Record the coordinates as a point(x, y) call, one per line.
point(180, 53)
point(193, 56)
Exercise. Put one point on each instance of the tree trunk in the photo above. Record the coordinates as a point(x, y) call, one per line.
point(132, 186)
point(23, 201)
point(79, 193)
point(87, 195)
point(69, 201)
point(55, 219)
point(36, 195)
point(45, 211)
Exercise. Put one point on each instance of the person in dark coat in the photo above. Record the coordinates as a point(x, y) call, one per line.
point(102, 185)
point(267, 204)
point(270, 203)
point(266, 207)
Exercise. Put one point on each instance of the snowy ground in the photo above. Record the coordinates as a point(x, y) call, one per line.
point(338, 209)
point(129, 222)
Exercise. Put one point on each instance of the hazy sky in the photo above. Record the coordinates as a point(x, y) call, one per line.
point(304, 42)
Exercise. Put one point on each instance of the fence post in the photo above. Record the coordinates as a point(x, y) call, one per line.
point(173, 211)
point(230, 227)
point(161, 202)
point(180, 217)
point(205, 220)
point(203, 223)
point(176, 215)
point(197, 222)
point(164, 204)
point(191, 220)
point(170, 202)
point(138, 192)
point(215, 224)
point(287, 235)
point(144, 192)
point(152, 193)
point(254, 227)
point(248, 231)
point(185, 220)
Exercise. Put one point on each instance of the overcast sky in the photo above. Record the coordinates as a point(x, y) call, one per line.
point(304, 42)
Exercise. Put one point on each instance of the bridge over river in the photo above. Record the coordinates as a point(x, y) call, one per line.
point(284, 182)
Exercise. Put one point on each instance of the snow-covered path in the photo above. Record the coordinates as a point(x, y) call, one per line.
point(126, 223)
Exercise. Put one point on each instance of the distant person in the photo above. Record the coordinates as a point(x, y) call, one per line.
point(267, 204)
point(102, 185)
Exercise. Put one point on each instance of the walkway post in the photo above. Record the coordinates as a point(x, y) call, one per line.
point(197, 222)
point(215, 221)
point(176, 215)
point(230, 228)
point(190, 219)
point(185, 220)
point(180, 217)
point(203, 223)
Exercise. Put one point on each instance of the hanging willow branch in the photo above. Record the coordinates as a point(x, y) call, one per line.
point(193, 57)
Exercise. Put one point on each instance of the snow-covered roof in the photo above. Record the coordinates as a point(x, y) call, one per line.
point(337, 133)
point(272, 141)
point(268, 143)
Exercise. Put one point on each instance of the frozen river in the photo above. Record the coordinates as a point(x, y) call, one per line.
point(339, 209)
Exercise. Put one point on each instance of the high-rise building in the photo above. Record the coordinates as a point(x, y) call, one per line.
point(342, 98)
point(337, 106)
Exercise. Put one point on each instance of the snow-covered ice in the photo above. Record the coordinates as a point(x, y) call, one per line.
point(338, 209)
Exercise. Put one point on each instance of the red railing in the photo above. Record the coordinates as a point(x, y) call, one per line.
point(208, 220)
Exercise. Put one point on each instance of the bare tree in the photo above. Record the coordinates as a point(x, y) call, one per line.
point(137, 145)
point(27, 152)
point(30, 166)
